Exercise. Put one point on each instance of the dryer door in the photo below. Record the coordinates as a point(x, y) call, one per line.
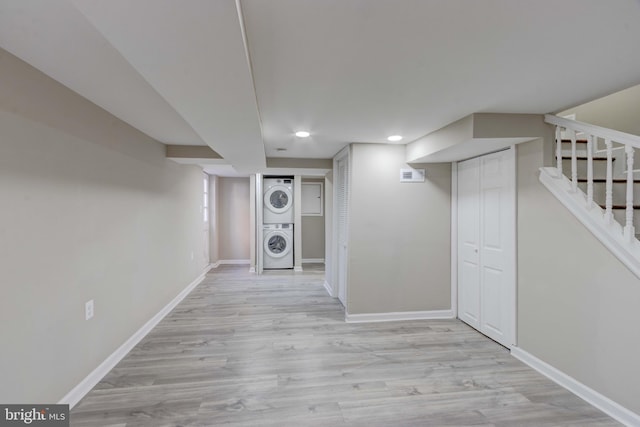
point(278, 199)
point(277, 244)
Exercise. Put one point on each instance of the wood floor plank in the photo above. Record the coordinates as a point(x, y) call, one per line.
point(274, 350)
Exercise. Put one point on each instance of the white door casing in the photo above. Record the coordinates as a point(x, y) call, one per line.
point(486, 245)
point(259, 236)
point(206, 217)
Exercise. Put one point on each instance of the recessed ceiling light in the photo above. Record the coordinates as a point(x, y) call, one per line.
point(302, 134)
point(395, 138)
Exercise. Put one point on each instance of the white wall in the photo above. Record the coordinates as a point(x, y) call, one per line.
point(233, 207)
point(399, 234)
point(577, 304)
point(90, 209)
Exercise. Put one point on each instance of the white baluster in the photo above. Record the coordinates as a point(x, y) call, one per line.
point(629, 230)
point(574, 161)
point(590, 171)
point(559, 150)
point(608, 214)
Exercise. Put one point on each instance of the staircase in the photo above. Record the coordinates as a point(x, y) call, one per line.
point(595, 178)
point(619, 185)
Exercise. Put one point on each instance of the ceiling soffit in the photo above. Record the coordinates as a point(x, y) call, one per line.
point(192, 53)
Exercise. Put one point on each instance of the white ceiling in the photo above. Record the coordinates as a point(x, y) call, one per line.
point(346, 70)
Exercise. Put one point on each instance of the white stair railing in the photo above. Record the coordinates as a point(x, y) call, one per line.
point(619, 148)
point(608, 213)
point(626, 141)
point(629, 229)
point(590, 171)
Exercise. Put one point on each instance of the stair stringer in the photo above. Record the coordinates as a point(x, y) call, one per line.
point(610, 234)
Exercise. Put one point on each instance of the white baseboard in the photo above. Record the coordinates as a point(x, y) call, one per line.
point(395, 316)
point(329, 289)
point(606, 405)
point(252, 269)
point(85, 386)
point(298, 269)
point(234, 262)
point(215, 264)
point(313, 260)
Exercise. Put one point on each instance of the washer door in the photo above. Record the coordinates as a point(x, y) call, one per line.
point(277, 244)
point(278, 199)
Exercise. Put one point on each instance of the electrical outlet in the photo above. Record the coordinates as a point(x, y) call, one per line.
point(88, 310)
point(192, 255)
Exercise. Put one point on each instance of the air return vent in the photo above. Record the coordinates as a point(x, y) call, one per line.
point(412, 175)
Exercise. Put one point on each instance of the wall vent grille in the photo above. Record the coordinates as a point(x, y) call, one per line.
point(412, 175)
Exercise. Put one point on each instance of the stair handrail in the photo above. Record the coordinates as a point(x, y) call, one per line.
point(592, 133)
point(618, 237)
point(605, 133)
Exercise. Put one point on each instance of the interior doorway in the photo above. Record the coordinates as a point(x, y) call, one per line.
point(486, 245)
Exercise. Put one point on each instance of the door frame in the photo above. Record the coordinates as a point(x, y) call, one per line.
point(259, 229)
point(454, 238)
point(207, 218)
point(513, 259)
point(339, 293)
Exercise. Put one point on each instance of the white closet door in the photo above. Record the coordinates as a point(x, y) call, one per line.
point(497, 237)
point(486, 245)
point(469, 242)
point(343, 209)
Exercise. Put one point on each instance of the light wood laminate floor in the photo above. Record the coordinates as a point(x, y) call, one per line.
point(274, 350)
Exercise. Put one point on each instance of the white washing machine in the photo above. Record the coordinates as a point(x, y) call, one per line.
point(278, 246)
point(278, 201)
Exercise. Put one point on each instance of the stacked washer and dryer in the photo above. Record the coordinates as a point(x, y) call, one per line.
point(277, 220)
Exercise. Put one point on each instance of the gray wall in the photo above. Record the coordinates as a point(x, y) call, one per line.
point(619, 111)
point(577, 304)
point(233, 208)
point(91, 209)
point(399, 234)
point(313, 235)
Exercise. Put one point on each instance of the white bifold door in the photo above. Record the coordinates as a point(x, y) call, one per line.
point(342, 205)
point(486, 245)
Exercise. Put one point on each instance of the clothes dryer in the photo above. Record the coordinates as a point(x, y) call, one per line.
point(278, 201)
point(278, 246)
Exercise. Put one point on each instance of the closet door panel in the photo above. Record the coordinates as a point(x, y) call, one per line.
point(485, 248)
